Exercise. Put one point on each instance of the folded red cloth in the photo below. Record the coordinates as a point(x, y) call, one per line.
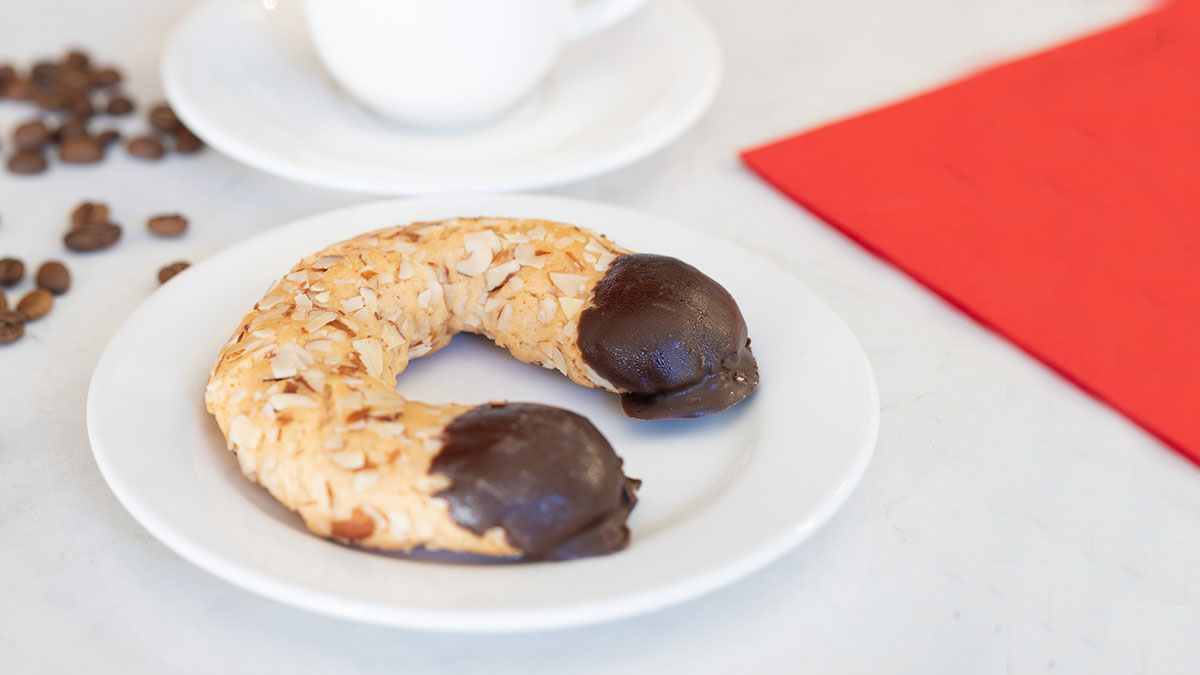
point(1055, 199)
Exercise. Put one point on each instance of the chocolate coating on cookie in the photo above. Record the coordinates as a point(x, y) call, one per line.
point(545, 475)
point(670, 336)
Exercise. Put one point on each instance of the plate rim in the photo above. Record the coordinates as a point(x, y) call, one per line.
point(271, 163)
point(477, 620)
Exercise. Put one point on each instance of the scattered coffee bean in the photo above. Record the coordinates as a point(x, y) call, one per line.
point(54, 277)
point(92, 237)
point(80, 106)
point(89, 213)
point(106, 77)
point(85, 150)
point(17, 88)
point(145, 147)
point(109, 137)
point(165, 274)
point(119, 105)
point(11, 271)
point(78, 59)
point(3, 302)
point(36, 304)
point(27, 162)
point(50, 99)
point(187, 142)
point(164, 119)
point(168, 225)
point(76, 128)
point(12, 327)
point(31, 135)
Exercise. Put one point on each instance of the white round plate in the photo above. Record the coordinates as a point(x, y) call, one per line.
point(247, 81)
point(723, 495)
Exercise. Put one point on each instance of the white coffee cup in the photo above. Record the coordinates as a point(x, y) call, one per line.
point(449, 63)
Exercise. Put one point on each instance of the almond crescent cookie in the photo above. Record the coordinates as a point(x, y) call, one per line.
point(304, 390)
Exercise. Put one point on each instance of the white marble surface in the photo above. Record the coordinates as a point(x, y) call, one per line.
point(1009, 523)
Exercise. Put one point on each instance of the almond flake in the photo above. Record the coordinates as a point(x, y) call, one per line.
point(505, 317)
point(322, 297)
point(391, 335)
point(476, 263)
point(365, 479)
point(483, 239)
point(604, 261)
point(419, 350)
point(526, 255)
point(285, 401)
point(405, 271)
point(297, 276)
point(389, 429)
point(349, 459)
point(325, 262)
point(321, 345)
point(423, 298)
point(571, 284)
point(549, 309)
point(243, 434)
point(284, 365)
point(318, 489)
point(350, 305)
point(363, 315)
point(496, 275)
point(516, 238)
point(303, 303)
point(372, 355)
point(560, 361)
point(319, 320)
point(570, 306)
point(538, 232)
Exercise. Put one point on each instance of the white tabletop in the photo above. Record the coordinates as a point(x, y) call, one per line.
point(1008, 523)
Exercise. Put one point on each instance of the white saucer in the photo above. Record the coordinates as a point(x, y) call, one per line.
point(248, 82)
point(722, 496)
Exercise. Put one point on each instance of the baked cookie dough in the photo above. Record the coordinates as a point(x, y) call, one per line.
point(304, 389)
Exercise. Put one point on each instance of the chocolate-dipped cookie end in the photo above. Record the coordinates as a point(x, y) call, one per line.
point(545, 475)
point(668, 335)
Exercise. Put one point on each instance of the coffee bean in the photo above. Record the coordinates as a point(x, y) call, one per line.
point(3, 302)
point(106, 77)
point(27, 162)
point(50, 99)
point(167, 225)
point(187, 142)
point(166, 273)
point(164, 119)
point(89, 213)
point(85, 150)
point(7, 73)
point(11, 271)
point(92, 237)
point(12, 327)
point(36, 304)
point(80, 105)
point(17, 88)
point(54, 277)
point(31, 135)
point(76, 128)
point(119, 105)
point(109, 137)
point(78, 59)
point(44, 72)
point(145, 147)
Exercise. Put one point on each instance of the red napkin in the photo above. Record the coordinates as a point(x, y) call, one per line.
point(1055, 199)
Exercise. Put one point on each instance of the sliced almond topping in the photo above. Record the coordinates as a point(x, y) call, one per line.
point(318, 490)
point(243, 434)
point(423, 298)
point(322, 297)
point(419, 350)
point(570, 306)
point(549, 309)
point(476, 263)
point(516, 238)
point(284, 401)
point(570, 284)
point(560, 361)
point(389, 429)
point(391, 336)
point(527, 256)
point(284, 364)
point(594, 246)
point(350, 305)
point(372, 355)
point(315, 379)
point(516, 285)
point(349, 459)
point(321, 345)
point(448, 292)
point(325, 262)
point(297, 276)
point(363, 315)
point(334, 443)
point(538, 232)
point(599, 381)
point(405, 271)
point(605, 260)
point(303, 303)
point(319, 320)
point(472, 320)
point(496, 275)
point(365, 479)
point(370, 298)
point(483, 239)
point(504, 318)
